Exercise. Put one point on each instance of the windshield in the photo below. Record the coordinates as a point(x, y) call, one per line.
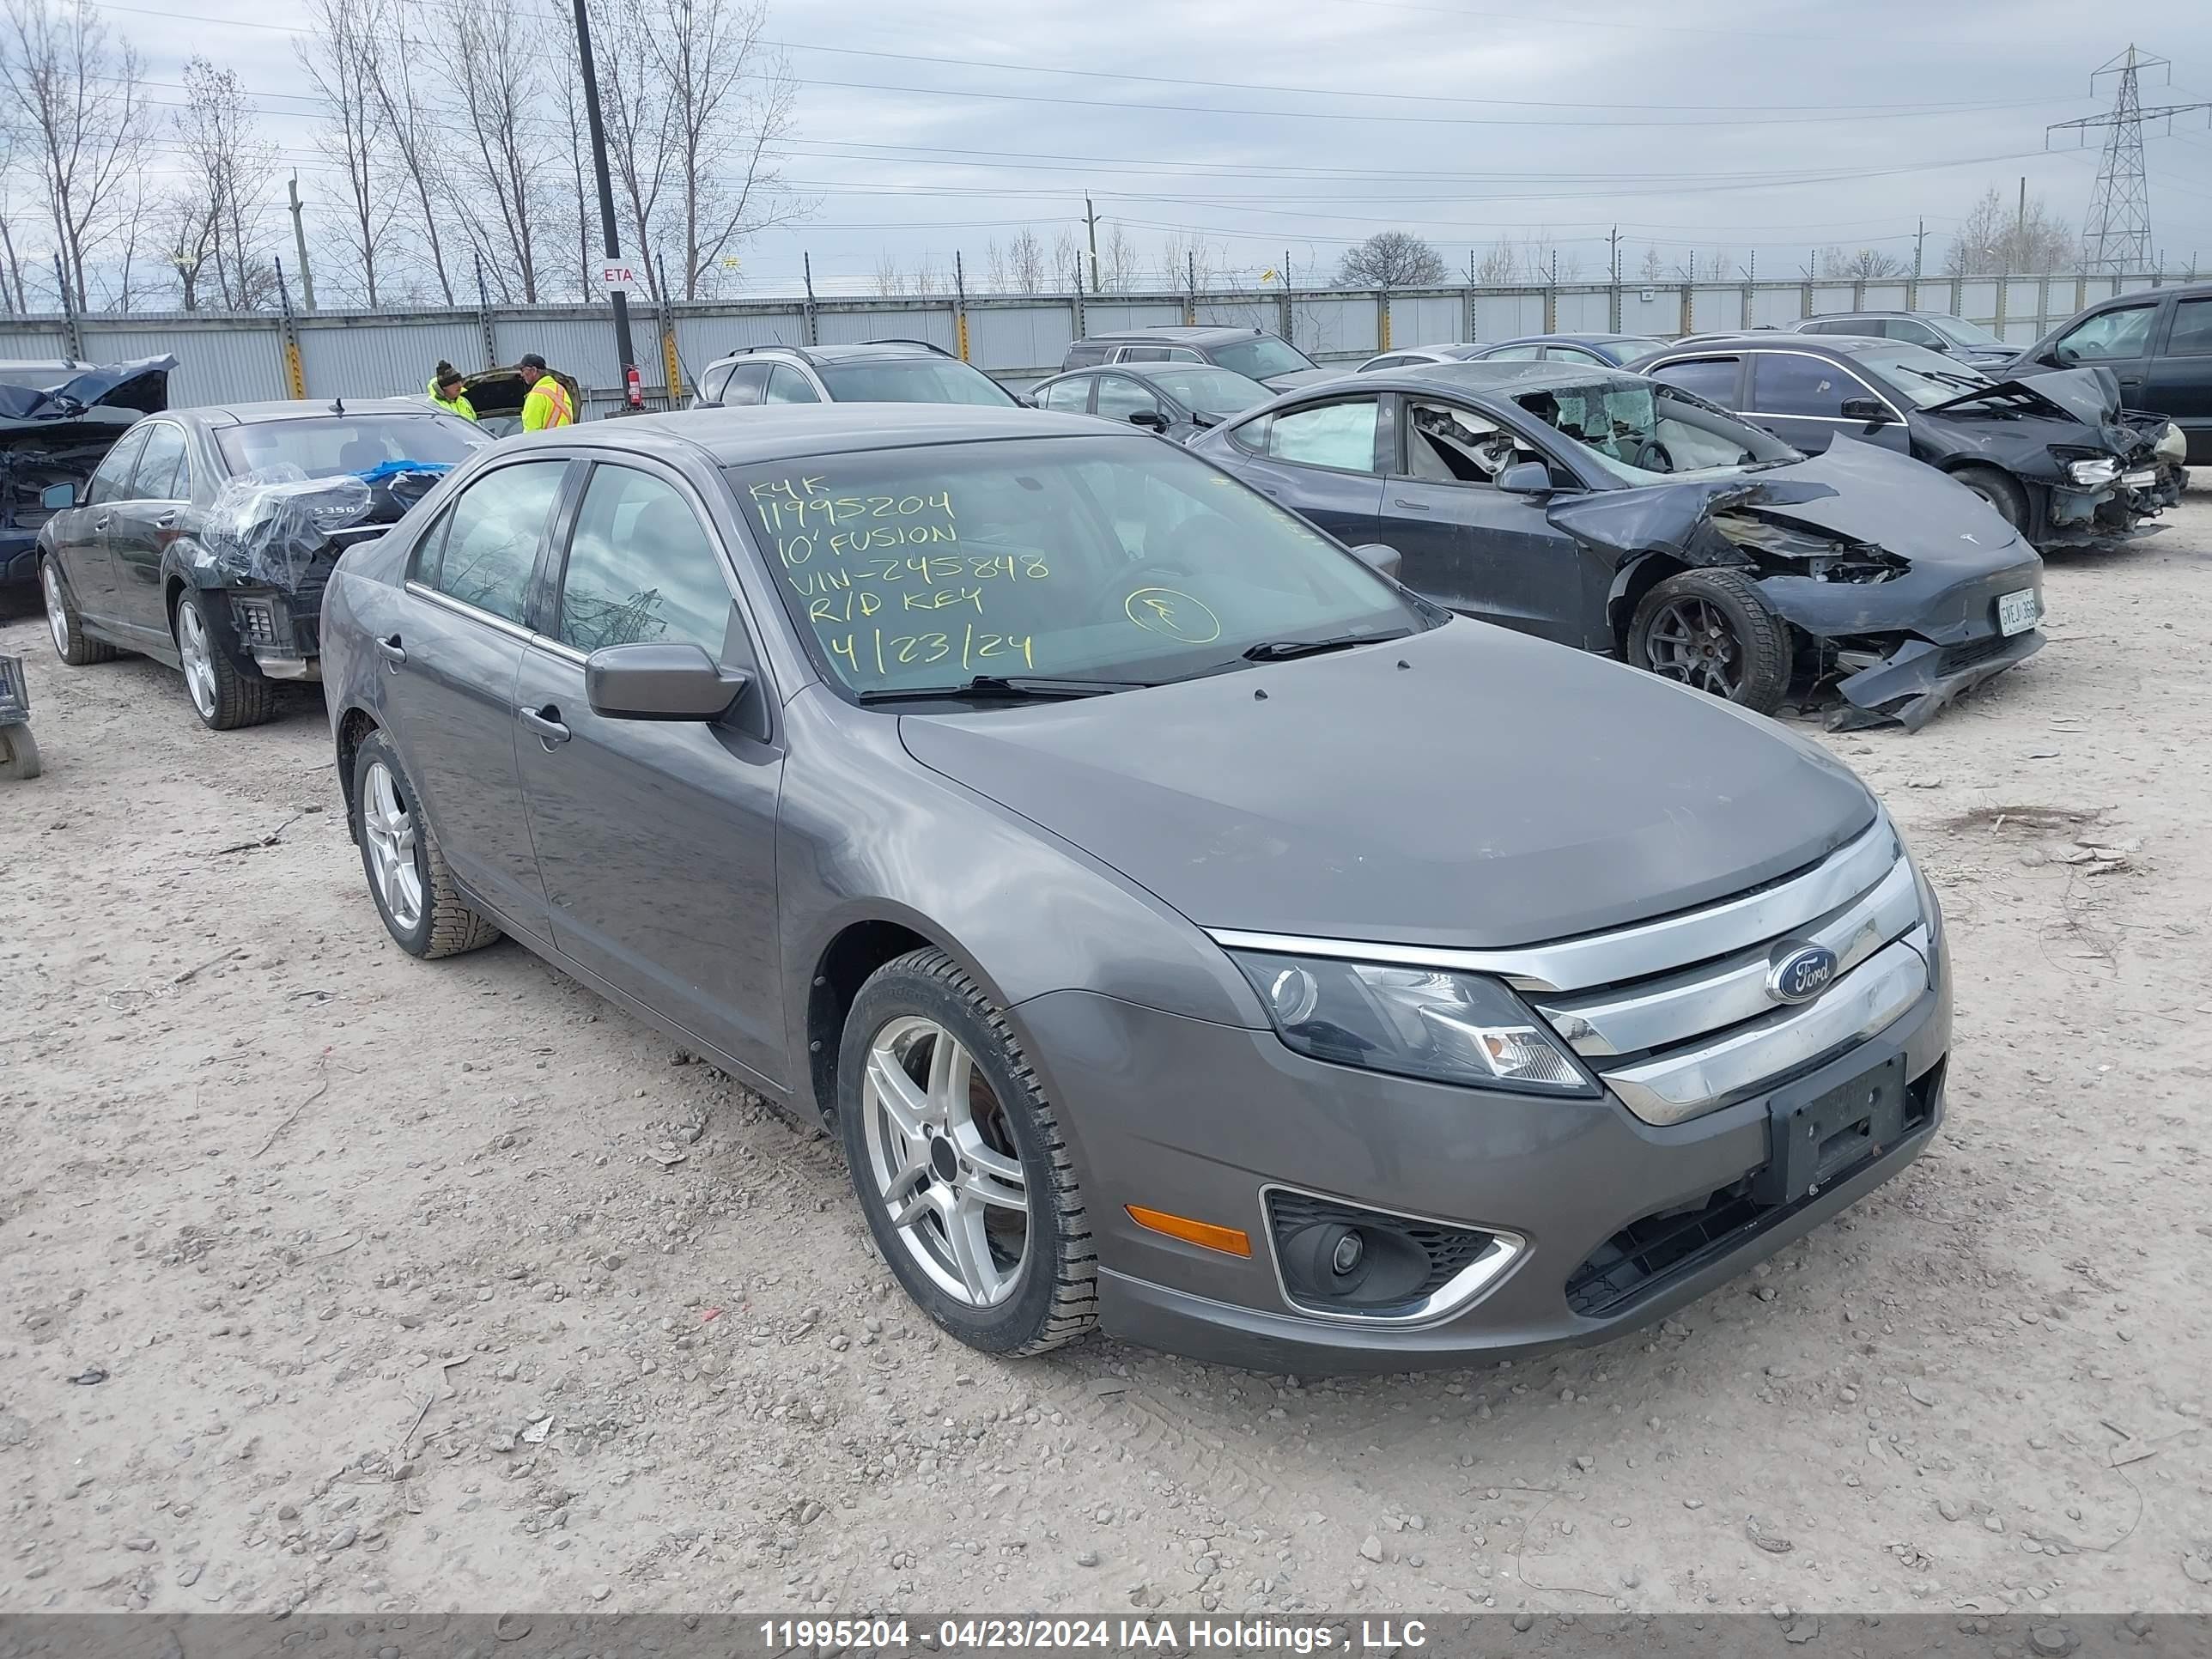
point(1641, 432)
point(916, 381)
point(1263, 355)
point(1922, 376)
point(325, 446)
point(1116, 559)
point(1959, 331)
point(1210, 391)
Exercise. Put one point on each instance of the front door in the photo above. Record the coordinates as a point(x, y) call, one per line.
point(1799, 397)
point(2117, 337)
point(142, 525)
point(656, 839)
point(454, 659)
point(1465, 543)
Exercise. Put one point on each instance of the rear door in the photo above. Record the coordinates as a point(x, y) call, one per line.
point(656, 839)
point(145, 522)
point(455, 660)
point(1717, 379)
point(1322, 460)
point(1464, 542)
point(2179, 383)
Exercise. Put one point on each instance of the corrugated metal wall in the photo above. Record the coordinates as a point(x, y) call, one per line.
point(225, 359)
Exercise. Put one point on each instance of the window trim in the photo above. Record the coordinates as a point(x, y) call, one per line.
point(136, 433)
point(184, 459)
point(1087, 378)
point(1740, 356)
point(798, 372)
point(1189, 354)
point(1750, 359)
point(2173, 327)
point(413, 582)
point(1098, 386)
point(2157, 329)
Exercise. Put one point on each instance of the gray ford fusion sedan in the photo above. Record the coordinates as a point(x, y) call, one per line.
point(1188, 931)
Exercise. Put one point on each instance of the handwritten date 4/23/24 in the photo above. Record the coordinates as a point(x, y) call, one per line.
point(886, 653)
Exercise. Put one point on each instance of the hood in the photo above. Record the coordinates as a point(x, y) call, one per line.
point(1373, 794)
point(1298, 377)
point(2091, 396)
point(64, 394)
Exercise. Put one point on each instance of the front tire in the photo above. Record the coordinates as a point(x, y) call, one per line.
point(223, 697)
point(66, 627)
point(2001, 490)
point(407, 876)
point(1710, 630)
point(959, 1163)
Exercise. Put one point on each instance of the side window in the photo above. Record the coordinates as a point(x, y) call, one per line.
point(1389, 362)
point(642, 568)
point(714, 382)
point(1713, 379)
point(1785, 383)
point(1069, 397)
point(1445, 443)
point(786, 385)
point(2111, 336)
point(1919, 334)
point(1517, 354)
point(155, 478)
point(746, 384)
point(1120, 397)
point(1566, 354)
point(1335, 434)
point(2193, 330)
point(490, 542)
point(1142, 354)
point(110, 479)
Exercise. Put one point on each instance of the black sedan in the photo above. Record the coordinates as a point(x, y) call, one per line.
point(1180, 400)
point(1624, 516)
point(2056, 453)
point(205, 538)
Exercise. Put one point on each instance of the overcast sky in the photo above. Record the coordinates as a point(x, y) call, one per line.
point(1776, 127)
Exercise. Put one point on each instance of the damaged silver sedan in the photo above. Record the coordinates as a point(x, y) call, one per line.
point(1613, 513)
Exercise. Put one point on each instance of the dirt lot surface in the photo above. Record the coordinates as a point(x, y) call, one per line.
point(337, 1279)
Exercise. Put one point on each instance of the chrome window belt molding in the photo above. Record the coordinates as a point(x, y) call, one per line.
point(1645, 995)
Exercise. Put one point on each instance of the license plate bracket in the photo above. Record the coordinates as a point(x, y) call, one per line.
point(1815, 1133)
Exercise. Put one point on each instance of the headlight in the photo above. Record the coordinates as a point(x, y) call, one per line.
point(2172, 445)
point(2090, 474)
point(1417, 1022)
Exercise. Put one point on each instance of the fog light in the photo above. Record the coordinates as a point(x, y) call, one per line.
point(1347, 1255)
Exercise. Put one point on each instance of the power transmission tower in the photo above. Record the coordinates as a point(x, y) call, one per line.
point(2116, 234)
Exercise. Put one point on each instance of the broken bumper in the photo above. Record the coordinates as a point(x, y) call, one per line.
point(1920, 677)
point(277, 633)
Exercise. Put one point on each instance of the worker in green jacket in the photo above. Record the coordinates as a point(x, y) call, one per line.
point(446, 391)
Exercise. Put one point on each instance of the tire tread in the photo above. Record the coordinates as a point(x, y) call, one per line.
point(1767, 657)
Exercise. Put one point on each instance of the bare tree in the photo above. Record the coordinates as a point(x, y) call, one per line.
point(1188, 260)
point(889, 278)
point(414, 133)
point(1653, 267)
point(639, 110)
point(1500, 263)
point(1392, 259)
point(576, 128)
point(184, 230)
point(1121, 267)
point(228, 168)
point(78, 99)
point(12, 291)
point(1027, 263)
point(495, 162)
point(1860, 264)
point(339, 55)
point(2000, 235)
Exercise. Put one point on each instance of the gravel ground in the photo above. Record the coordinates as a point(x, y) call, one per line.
point(336, 1280)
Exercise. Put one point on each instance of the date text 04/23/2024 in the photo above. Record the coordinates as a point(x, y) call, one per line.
point(1095, 1635)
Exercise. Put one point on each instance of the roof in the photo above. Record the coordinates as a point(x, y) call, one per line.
point(751, 435)
point(1869, 311)
point(861, 350)
point(1177, 333)
point(1139, 371)
point(294, 409)
point(1774, 339)
point(1571, 339)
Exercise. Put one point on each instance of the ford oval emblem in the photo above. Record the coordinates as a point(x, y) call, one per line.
point(1799, 972)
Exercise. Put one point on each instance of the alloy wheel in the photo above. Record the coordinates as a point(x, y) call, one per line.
point(1692, 641)
point(942, 1155)
point(197, 651)
point(57, 607)
point(387, 829)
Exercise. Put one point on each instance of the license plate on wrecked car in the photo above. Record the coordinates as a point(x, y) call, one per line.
point(2018, 612)
point(2145, 479)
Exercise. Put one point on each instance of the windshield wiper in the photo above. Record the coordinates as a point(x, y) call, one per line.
point(1284, 650)
point(999, 687)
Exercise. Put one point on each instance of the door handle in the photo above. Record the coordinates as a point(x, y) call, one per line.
point(545, 722)
point(166, 520)
point(1411, 507)
point(103, 521)
point(393, 652)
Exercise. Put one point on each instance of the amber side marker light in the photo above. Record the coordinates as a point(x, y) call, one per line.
point(1230, 1241)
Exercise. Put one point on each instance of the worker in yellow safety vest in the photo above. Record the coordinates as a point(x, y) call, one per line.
point(445, 384)
point(545, 404)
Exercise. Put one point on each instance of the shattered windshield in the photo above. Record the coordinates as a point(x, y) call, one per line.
point(1641, 432)
point(1926, 377)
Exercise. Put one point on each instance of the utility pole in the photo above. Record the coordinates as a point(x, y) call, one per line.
point(631, 386)
point(300, 246)
point(1919, 242)
point(2116, 231)
point(2020, 224)
point(1090, 221)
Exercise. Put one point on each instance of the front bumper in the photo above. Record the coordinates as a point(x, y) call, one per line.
point(1919, 677)
point(19, 558)
point(1199, 1120)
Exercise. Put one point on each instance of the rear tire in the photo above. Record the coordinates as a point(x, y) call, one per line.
point(1710, 630)
point(63, 625)
point(2001, 490)
point(996, 1244)
point(224, 698)
point(19, 753)
point(407, 876)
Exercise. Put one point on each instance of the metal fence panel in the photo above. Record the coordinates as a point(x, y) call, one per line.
point(1105, 316)
point(1651, 311)
point(1508, 316)
point(1977, 299)
point(353, 358)
point(855, 323)
point(1714, 310)
point(1005, 339)
point(1886, 296)
point(219, 360)
point(1584, 311)
point(1346, 326)
point(701, 337)
point(575, 341)
point(32, 343)
point(1264, 313)
point(1427, 319)
point(2132, 284)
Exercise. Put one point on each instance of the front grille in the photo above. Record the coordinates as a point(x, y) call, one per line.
point(1955, 657)
point(1448, 1249)
point(1646, 1256)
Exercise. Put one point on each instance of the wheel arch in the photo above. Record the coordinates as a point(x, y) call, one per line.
point(841, 966)
point(1636, 577)
point(353, 728)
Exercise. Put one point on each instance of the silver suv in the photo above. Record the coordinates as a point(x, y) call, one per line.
point(878, 372)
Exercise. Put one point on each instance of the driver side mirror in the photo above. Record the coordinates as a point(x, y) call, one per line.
point(2064, 356)
point(1379, 557)
point(1150, 419)
point(1872, 410)
point(57, 498)
point(661, 681)
point(1526, 479)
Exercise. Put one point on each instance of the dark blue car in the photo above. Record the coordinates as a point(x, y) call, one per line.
point(1599, 351)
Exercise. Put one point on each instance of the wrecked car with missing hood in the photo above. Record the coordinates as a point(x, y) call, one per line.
point(2055, 452)
point(206, 537)
point(56, 421)
point(1613, 513)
